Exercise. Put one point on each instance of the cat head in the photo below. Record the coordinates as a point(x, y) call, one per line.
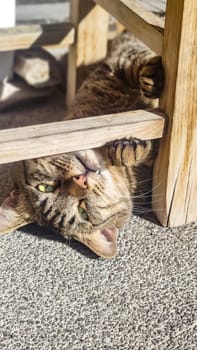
point(75, 194)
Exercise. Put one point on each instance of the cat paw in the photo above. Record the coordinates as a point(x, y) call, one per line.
point(151, 77)
point(129, 152)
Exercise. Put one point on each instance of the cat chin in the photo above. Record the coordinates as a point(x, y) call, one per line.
point(102, 242)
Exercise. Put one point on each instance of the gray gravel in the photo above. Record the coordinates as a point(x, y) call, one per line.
point(58, 295)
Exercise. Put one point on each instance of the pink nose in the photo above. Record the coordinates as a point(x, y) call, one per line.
point(81, 181)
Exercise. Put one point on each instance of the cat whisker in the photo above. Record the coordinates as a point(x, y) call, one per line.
point(149, 191)
point(146, 210)
point(148, 202)
point(144, 181)
point(143, 195)
point(158, 185)
point(69, 239)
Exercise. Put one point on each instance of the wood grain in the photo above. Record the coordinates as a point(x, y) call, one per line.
point(175, 173)
point(144, 24)
point(146, 15)
point(72, 135)
point(37, 35)
point(90, 45)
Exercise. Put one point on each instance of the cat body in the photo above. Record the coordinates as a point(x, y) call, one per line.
point(87, 195)
point(130, 78)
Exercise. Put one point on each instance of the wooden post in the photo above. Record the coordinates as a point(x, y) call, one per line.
point(175, 172)
point(90, 45)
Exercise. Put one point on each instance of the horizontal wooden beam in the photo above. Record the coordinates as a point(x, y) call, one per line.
point(41, 11)
point(144, 24)
point(36, 35)
point(54, 138)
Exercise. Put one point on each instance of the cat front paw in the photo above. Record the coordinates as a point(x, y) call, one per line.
point(129, 152)
point(151, 77)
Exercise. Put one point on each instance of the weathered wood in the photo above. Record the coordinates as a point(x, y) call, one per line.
point(175, 173)
point(90, 46)
point(41, 11)
point(45, 35)
point(155, 6)
point(72, 135)
point(144, 24)
point(144, 14)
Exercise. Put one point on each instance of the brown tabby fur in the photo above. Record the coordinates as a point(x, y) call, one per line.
point(98, 182)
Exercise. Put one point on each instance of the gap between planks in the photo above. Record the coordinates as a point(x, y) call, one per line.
point(72, 135)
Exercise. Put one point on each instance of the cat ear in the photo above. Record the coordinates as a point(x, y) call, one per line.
point(103, 242)
point(10, 213)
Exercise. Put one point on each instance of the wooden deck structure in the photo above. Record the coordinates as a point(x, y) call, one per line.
point(175, 170)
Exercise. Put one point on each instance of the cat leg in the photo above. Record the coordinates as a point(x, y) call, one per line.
point(136, 63)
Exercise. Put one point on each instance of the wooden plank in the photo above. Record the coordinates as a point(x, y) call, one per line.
point(72, 135)
point(175, 173)
point(35, 13)
point(143, 13)
point(45, 35)
point(144, 24)
point(155, 6)
point(90, 46)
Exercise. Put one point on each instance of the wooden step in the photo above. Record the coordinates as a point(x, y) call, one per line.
point(72, 135)
point(37, 35)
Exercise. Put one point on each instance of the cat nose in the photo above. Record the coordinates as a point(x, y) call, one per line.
point(81, 181)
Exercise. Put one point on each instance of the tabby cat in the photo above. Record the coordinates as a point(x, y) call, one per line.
point(87, 195)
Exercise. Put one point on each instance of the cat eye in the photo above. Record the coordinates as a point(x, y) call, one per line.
point(83, 213)
point(46, 188)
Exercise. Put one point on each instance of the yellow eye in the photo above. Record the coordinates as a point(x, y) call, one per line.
point(46, 188)
point(83, 213)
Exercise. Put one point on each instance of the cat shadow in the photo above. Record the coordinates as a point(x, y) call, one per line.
point(44, 233)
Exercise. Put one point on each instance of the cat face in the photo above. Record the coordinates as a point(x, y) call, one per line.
point(77, 195)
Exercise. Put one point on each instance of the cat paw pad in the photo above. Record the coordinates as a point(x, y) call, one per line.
point(129, 152)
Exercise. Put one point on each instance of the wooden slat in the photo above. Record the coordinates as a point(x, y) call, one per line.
point(144, 24)
point(175, 174)
point(90, 46)
point(155, 6)
point(41, 11)
point(45, 35)
point(72, 135)
point(144, 14)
